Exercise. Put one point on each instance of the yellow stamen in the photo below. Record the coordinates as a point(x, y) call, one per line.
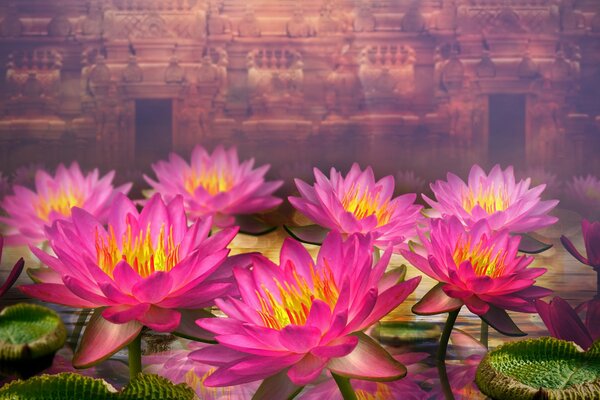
point(296, 298)
point(491, 199)
point(60, 201)
point(207, 393)
point(144, 256)
point(213, 180)
point(484, 259)
point(364, 203)
point(383, 393)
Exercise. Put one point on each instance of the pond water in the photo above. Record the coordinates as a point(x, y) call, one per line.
point(565, 276)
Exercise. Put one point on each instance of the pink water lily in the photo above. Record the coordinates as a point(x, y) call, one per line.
point(407, 388)
point(564, 322)
point(478, 268)
point(216, 184)
point(178, 367)
point(591, 239)
point(139, 271)
point(14, 273)
point(30, 211)
point(301, 317)
point(583, 195)
point(357, 203)
point(496, 198)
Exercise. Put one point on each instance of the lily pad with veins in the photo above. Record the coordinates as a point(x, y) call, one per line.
point(544, 368)
point(29, 331)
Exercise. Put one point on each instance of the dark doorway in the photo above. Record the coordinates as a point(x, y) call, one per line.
point(153, 130)
point(507, 129)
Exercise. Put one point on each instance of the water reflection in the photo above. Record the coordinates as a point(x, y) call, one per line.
point(567, 277)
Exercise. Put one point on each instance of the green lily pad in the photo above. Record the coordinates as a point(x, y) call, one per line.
point(397, 333)
point(29, 331)
point(68, 386)
point(544, 368)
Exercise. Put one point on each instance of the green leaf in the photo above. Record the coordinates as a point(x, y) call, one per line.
point(530, 245)
point(277, 386)
point(310, 234)
point(69, 386)
point(253, 225)
point(544, 368)
point(399, 333)
point(30, 331)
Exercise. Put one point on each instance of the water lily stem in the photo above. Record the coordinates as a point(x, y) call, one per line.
point(441, 354)
point(485, 333)
point(445, 382)
point(135, 357)
point(345, 387)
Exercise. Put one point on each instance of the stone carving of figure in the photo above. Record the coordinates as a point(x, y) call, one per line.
point(248, 25)
point(404, 73)
point(364, 21)
point(100, 76)
point(298, 26)
point(132, 73)
point(342, 88)
point(207, 72)
point(327, 24)
point(218, 24)
point(223, 83)
point(174, 72)
point(59, 26)
point(528, 68)
point(486, 67)
point(413, 20)
point(92, 23)
point(446, 18)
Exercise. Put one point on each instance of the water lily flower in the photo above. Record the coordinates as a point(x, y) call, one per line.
point(583, 194)
point(409, 182)
point(563, 322)
point(407, 388)
point(478, 268)
point(14, 273)
point(140, 271)
point(495, 198)
point(591, 238)
point(216, 184)
point(299, 318)
point(178, 367)
point(357, 203)
point(30, 211)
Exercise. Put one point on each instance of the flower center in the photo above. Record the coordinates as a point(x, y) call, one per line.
point(383, 392)
point(491, 199)
point(214, 181)
point(138, 250)
point(60, 201)
point(207, 393)
point(485, 259)
point(593, 193)
point(364, 203)
point(296, 298)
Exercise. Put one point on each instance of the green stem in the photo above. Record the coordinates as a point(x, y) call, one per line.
point(81, 322)
point(135, 357)
point(441, 354)
point(484, 333)
point(345, 387)
point(444, 381)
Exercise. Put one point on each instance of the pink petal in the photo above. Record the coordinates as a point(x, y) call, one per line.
point(161, 319)
point(14, 274)
point(56, 293)
point(299, 339)
point(436, 301)
point(306, 370)
point(124, 313)
point(368, 361)
point(336, 348)
point(102, 339)
point(154, 288)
